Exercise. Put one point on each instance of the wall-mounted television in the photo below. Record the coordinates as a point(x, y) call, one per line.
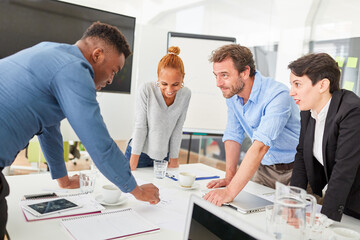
point(24, 23)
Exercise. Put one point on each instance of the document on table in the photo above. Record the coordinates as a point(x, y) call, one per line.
point(88, 206)
point(169, 212)
point(108, 225)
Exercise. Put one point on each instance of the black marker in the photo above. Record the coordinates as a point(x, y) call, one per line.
point(40, 195)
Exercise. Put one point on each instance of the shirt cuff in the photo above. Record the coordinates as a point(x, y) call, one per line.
point(238, 139)
point(58, 171)
point(174, 154)
point(262, 138)
point(128, 186)
point(136, 152)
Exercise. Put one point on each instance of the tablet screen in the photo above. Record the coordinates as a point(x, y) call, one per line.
point(52, 206)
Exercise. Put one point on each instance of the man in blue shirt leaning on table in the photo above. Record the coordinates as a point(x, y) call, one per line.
point(42, 85)
point(263, 109)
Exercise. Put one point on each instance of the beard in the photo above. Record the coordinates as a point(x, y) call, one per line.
point(235, 89)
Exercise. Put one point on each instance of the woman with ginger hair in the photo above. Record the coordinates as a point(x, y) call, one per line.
point(160, 114)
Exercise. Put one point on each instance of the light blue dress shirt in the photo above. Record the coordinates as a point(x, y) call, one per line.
point(39, 87)
point(270, 116)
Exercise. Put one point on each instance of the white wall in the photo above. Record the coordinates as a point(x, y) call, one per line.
point(337, 19)
point(291, 24)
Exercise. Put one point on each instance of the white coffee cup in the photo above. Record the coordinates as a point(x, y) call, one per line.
point(110, 193)
point(340, 233)
point(186, 179)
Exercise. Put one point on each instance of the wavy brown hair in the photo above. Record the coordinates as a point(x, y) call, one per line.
point(240, 55)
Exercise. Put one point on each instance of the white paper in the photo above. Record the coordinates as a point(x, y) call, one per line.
point(171, 206)
point(108, 225)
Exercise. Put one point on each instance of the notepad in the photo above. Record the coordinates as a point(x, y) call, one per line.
point(108, 225)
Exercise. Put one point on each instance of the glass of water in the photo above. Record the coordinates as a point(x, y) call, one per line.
point(160, 167)
point(87, 181)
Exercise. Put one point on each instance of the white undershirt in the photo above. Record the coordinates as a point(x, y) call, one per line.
point(319, 131)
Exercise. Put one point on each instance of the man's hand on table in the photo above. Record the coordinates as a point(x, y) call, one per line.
point(69, 182)
point(147, 192)
point(219, 196)
point(218, 183)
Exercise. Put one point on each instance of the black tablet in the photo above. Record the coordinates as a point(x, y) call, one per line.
point(50, 207)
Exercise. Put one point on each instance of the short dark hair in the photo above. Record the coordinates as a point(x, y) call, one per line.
point(317, 66)
point(240, 55)
point(111, 35)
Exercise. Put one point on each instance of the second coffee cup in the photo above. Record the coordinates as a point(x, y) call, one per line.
point(186, 179)
point(111, 193)
point(340, 233)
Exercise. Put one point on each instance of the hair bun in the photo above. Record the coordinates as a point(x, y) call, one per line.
point(174, 50)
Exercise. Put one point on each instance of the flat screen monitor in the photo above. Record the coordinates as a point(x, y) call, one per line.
point(24, 23)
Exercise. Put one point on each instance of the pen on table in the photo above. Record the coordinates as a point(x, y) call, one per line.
point(205, 178)
point(40, 195)
point(171, 176)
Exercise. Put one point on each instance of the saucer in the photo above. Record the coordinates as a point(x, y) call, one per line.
point(100, 199)
point(194, 186)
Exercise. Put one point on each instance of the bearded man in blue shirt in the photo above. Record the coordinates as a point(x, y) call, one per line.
point(48, 82)
point(262, 108)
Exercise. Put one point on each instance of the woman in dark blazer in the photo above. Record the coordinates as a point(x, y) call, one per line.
point(329, 146)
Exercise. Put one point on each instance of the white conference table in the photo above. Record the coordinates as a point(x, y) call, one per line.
point(169, 214)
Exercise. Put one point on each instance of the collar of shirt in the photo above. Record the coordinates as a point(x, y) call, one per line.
point(255, 90)
point(323, 113)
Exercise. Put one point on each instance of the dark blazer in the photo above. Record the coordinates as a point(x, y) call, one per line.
point(341, 155)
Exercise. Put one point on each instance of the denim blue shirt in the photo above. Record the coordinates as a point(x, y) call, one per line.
point(270, 116)
point(39, 87)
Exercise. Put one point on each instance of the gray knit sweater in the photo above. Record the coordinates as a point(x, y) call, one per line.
point(158, 128)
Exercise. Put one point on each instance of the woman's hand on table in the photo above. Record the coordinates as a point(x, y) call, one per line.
point(173, 163)
point(134, 160)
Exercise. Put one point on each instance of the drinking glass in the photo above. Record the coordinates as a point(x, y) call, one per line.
point(160, 167)
point(87, 181)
